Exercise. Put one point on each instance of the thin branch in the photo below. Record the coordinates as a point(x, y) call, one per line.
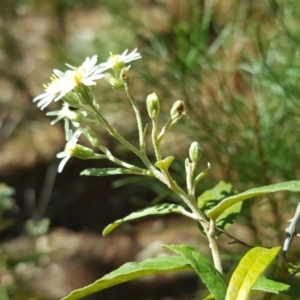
point(234, 240)
point(291, 231)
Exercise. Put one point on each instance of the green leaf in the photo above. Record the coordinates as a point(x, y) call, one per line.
point(213, 197)
point(277, 286)
point(160, 209)
point(108, 171)
point(249, 269)
point(132, 270)
point(165, 163)
point(209, 297)
point(212, 279)
point(292, 186)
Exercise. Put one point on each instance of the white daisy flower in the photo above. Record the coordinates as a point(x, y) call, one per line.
point(65, 113)
point(87, 73)
point(64, 82)
point(119, 61)
point(53, 92)
point(72, 139)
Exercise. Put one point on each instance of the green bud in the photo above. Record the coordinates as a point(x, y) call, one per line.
point(91, 136)
point(75, 116)
point(153, 106)
point(85, 93)
point(79, 151)
point(177, 110)
point(72, 99)
point(195, 152)
point(117, 84)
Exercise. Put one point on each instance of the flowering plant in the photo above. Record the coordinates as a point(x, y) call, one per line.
point(214, 211)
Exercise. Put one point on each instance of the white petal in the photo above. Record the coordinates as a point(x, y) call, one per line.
point(94, 60)
point(62, 164)
point(59, 73)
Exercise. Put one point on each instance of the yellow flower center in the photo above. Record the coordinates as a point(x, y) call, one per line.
point(78, 75)
point(115, 62)
point(54, 82)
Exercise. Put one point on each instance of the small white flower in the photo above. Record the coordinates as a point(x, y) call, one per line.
point(65, 113)
point(53, 92)
point(116, 60)
point(72, 139)
point(87, 73)
point(64, 82)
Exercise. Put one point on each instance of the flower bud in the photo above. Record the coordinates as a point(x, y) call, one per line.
point(195, 152)
point(117, 84)
point(91, 136)
point(79, 151)
point(124, 75)
point(85, 94)
point(72, 99)
point(177, 110)
point(75, 116)
point(153, 106)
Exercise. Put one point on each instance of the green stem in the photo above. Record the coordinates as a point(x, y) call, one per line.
point(189, 200)
point(124, 164)
point(113, 132)
point(138, 116)
point(155, 141)
point(209, 229)
point(164, 130)
point(164, 176)
point(200, 176)
point(211, 236)
point(139, 153)
point(189, 176)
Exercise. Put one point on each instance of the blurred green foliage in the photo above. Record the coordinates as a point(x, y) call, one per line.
point(12, 259)
point(239, 76)
point(7, 204)
point(236, 64)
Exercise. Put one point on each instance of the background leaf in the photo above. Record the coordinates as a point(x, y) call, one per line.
point(249, 269)
point(213, 197)
point(132, 270)
point(292, 186)
point(160, 209)
point(212, 279)
point(277, 286)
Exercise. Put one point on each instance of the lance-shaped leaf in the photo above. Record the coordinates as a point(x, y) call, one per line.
point(277, 286)
point(212, 279)
point(131, 271)
point(211, 198)
point(109, 171)
point(160, 209)
point(292, 186)
point(249, 269)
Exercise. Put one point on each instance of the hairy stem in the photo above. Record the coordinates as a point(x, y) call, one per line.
point(155, 141)
point(138, 116)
